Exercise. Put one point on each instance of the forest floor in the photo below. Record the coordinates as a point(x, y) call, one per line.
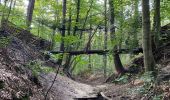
point(18, 82)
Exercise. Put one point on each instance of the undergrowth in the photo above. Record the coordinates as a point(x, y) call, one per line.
point(148, 89)
point(122, 79)
point(4, 41)
point(37, 67)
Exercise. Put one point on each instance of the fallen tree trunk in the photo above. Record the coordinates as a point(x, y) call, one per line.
point(100, 52)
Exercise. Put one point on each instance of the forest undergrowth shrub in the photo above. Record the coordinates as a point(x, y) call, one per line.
point(4, 41)
point(37, 67)
point(148, 88)
point(122, 79)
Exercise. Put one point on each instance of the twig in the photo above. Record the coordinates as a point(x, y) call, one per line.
point(52, 83)
point(104, 96)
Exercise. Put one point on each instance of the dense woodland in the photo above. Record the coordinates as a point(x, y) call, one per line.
point(90, 41)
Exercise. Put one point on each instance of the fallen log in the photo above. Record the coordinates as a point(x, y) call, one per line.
point(100, 52)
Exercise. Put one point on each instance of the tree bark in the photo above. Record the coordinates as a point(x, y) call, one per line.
point(67, 64)
point(118, 65)
point(105, 40)
point(147, 48)
point(100, 52)
point(30, 10)
point(10, 8)
point(136, 23)
point(64, 10)
point(87, 15)
point(156, 22)
point(77, 17)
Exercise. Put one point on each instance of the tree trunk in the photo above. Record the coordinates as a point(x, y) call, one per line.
point(87, 15)
point(67, 64)
point(10, 8)
point(118, 65)
point(147, 49)
point(30, 10)
point(100, 52)
point(77, 17)
point(105, 40)
point(90, 65)
point(3, 11)
point(136, 23)
point(63, 31)
point(156, 22)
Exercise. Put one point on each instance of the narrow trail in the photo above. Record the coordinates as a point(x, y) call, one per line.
point(67, 89)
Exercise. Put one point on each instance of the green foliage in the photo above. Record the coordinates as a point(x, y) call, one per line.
point(122, 79)
point(158, 97)
point(71, 39)
point(148, 88)
point(37, 68)
point(47, 23)
point(148, 85)
point(147, 77)
point(4, 41)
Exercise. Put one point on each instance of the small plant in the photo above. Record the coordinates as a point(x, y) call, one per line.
point(4, 41)
point(37, 68)
point(158, 97)
point(122, 80)
point(148, 84)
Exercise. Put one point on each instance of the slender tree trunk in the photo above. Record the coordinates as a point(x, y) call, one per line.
point(90, 65)
point(13, 7)
point(30, 10)
point(70, 21)
point(136, 23)
point(10, 8)
point(14, 4)
point(87, 14)
point(118, 65)
point(77, 17)
point(147, 48)
point(64, 10)
point(121, 24)
point(105, 40)
point(156, 22)
point(69, 57)
point(3, 13)
point(53, 39)
point(67, 64)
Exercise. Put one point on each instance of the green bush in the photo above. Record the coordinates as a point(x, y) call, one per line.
point(147, 87)
point(122, 80)
point(37, 68)
point(4, 41)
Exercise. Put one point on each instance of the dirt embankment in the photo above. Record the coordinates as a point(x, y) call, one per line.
point(16, 79)
point(14, 76)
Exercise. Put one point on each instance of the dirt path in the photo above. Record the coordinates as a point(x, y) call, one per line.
point(67, 89)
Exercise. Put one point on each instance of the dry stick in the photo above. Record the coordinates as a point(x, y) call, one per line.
point(52, 83)
point(104, 96)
